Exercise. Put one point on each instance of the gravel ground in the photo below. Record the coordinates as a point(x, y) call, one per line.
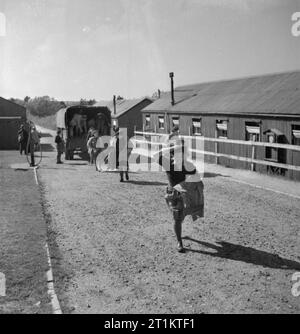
point(114, 251)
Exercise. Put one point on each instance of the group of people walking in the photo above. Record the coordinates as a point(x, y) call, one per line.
point(184, 193)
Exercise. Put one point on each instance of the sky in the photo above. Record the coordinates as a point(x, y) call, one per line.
point(94, 49)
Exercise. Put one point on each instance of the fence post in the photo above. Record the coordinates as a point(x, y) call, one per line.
point(252, 158)
point(2, 285)
point(216, 148)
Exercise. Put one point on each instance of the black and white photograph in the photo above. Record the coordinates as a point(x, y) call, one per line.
point(149, 159)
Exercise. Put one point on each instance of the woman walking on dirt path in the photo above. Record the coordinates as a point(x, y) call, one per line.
point(185, 190)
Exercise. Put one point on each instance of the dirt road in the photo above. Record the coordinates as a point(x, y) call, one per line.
point(113, 247)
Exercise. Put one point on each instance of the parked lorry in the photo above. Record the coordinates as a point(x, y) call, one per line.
point(75, 123)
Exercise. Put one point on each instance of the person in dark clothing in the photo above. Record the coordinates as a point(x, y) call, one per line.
point(33, 141)
point(121, 145)
point(60, 145)
point(22, 139)
point(175, 177)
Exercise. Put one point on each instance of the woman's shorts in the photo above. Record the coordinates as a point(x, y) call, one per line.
point(175, 203)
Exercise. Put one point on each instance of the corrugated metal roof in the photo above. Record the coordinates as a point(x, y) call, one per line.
point(267, 94)
point(122, 106)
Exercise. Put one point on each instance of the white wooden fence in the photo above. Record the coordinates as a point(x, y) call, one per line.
point(159, 143)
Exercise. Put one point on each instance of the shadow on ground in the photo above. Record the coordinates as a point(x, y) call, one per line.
point(47, 148)
point(45, 135)
point(147, 183)
point(234, 252)
point(210, 175)
point(59, 168)
point(77, 164)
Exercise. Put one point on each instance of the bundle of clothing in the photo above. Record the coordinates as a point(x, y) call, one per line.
point(188, 198)
point(185, 193)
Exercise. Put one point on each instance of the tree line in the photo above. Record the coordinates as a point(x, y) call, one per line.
point(44, 106)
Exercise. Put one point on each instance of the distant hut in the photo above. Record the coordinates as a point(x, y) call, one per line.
point(12, 116)
point(127, 113)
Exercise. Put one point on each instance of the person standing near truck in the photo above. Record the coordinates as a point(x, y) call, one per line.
point(60, 146)
point(92, 147)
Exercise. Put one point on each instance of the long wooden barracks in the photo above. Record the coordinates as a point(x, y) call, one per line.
point(12, 116)
point(260, 109)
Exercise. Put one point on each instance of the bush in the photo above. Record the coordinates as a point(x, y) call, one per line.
point(43, 106)
point(48, 122)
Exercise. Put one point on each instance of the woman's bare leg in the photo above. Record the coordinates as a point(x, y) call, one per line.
point(178, 229)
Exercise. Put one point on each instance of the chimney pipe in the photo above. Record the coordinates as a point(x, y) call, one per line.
point(158, 93)
point(115, 105)
point(172, 88)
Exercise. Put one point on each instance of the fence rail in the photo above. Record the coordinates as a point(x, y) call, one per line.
point(218, 155)
point(228, 141)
